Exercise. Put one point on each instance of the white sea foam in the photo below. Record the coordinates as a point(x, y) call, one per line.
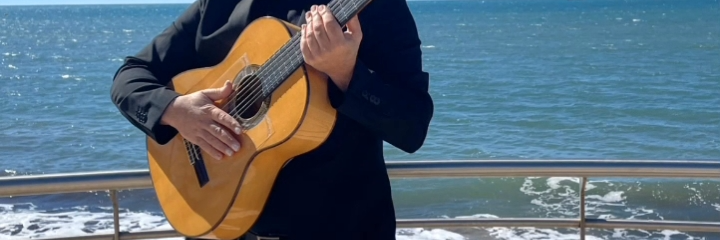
point(553, 197)
point(30, 223)
point(27, 222)
point(23, 221)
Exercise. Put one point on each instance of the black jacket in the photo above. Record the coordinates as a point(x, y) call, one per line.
point(341, 190)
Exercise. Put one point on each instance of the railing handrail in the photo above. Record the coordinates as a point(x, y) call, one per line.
point(140, 179)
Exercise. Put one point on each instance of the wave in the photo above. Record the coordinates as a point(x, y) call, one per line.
point(553, 197)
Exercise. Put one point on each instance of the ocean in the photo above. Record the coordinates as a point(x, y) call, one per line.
point(511, 79)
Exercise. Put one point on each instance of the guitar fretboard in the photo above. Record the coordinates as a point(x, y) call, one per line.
point(289, 58)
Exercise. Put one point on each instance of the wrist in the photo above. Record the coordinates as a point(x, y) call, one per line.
point(168, 116)
point(342, 79)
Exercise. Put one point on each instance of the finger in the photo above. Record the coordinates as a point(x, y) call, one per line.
point(318, 29)
point(312, 44)
point(226, 120)
point(205, 146)
point(332, 28)
point(224, 135)
point(307, 54)
point(215, 143)
point(354, 31)
point(219, 93)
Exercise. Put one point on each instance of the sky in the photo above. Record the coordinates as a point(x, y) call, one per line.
point(63, 2)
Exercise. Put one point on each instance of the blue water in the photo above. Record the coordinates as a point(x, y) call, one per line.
point(511, 79)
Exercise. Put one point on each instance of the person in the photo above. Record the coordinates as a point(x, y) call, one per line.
point(376, 82)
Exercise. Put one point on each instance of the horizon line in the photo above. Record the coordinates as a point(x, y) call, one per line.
point(90, 4)
point(141, 3)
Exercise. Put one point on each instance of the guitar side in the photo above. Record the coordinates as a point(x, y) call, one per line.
point(299, 119)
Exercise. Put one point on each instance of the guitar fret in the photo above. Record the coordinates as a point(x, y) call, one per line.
point(188, 182)
point(289, 58)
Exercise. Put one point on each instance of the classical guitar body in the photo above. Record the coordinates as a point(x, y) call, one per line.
point(206, 198)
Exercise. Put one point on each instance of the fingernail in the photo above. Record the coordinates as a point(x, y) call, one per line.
point(238, 130)
point(313, 8)
point(218, 157)
point(236, 146)
point(308, 15)
point(321, 8)
point(229, 152)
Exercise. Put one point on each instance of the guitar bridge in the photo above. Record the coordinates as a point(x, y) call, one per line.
point(196, 159)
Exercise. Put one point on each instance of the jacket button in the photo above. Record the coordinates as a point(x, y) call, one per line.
point(365, 94)
point(375, 100)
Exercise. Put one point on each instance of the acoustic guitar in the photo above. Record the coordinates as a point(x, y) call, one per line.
point(284, 108)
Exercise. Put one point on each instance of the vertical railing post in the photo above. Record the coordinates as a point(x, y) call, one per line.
point(583, 184)
point(116, 214)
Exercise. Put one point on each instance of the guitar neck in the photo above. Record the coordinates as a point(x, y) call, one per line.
point(289, 57)
point(344, 10)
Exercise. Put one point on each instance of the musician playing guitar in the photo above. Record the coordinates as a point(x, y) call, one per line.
point(339, 191)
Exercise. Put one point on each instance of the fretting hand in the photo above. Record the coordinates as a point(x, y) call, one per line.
point(327, 48)
point(199, 121)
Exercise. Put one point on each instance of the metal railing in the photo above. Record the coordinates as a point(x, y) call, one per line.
point(140, 179)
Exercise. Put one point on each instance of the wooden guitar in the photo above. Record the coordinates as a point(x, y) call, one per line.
point(284, 108)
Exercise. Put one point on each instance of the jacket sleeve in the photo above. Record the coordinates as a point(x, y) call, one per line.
point(140, 86)
point(388, 93)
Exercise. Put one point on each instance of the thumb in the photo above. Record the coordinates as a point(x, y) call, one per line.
point(219, 93)
point(354, 30)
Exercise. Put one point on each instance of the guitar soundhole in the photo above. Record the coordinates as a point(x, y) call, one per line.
point(250, 97)
point(249, 106)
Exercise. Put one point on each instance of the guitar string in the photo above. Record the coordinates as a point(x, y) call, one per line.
point(288, 49)
point(235, 93)
point(283, 53)
point(189, 147)
point(244, 105)
point(291, 50)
